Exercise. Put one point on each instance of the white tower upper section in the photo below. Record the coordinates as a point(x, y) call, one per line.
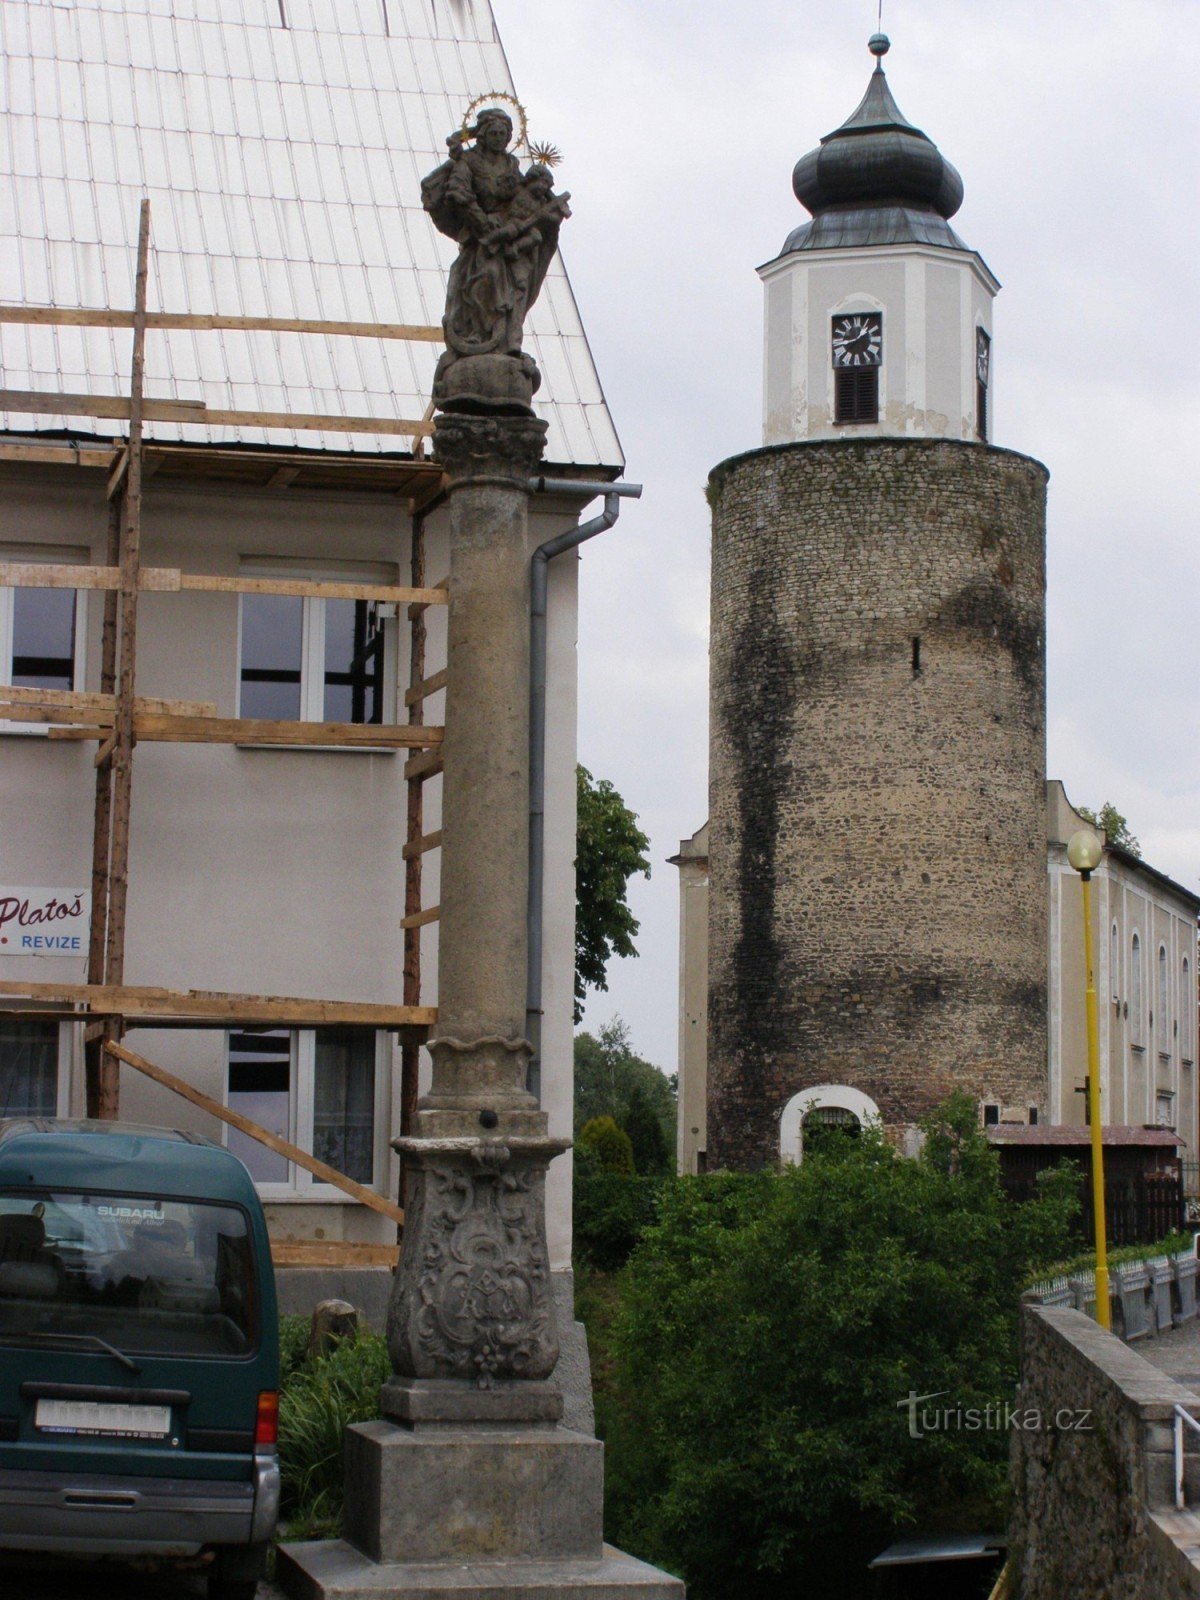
point(878, 317)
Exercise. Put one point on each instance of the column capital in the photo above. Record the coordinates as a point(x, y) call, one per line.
point(499, 450)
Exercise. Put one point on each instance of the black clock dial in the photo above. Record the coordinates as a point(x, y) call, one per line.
point(983, 354)
point(858, 339)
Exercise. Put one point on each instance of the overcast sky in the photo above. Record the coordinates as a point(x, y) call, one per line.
point(1075, 128)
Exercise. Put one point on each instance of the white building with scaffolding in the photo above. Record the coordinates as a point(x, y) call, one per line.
point(222, 582)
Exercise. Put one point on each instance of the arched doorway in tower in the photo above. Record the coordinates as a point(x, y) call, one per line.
point(822, 1114)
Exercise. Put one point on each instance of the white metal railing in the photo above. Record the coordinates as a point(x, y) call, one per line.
point(1181, 1416)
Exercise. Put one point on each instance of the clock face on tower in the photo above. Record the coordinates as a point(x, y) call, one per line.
point(858, 339)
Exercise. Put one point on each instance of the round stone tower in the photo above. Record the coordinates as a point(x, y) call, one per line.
point(877, 929)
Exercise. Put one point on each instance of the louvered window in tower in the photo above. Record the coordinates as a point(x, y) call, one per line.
point(857, 351)
point(983, 363)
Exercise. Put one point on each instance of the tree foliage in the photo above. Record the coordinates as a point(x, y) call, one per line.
point(611, 1080)
point(609, 849)
point(1116, 828)
point(774, 1325)
point(607, 1145)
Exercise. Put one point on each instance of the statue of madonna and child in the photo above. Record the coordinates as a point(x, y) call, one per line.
point(506, 225)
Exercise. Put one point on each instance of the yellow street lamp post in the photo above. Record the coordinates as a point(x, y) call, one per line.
point(1084, 853)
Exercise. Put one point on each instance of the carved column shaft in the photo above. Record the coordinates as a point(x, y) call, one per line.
point(472, 1302)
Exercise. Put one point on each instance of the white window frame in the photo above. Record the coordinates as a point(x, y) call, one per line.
point(68, 555)
point(302, 1185)
point(312, 637)
point(1167, 1095)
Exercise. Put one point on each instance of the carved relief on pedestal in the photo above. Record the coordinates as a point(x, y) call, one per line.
point(473, 1298)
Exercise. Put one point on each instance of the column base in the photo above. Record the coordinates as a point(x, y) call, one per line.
point(335, 1570)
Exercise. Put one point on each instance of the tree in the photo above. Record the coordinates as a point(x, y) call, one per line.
point(609, 849)
point(1116, 829)
point(608, 1146)
point(611, 1080)
point(774, 1326)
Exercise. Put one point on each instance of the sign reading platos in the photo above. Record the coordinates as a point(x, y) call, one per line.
point(44, 922)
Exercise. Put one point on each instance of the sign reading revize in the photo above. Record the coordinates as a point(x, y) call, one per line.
point(44, 922)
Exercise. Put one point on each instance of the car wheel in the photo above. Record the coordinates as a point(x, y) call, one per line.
point(236, 1572)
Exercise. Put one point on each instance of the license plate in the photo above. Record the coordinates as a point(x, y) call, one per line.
point(102, 1418)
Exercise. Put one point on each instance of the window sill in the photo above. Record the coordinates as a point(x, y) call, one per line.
point(325, 749)
point(327, 1195)
point(25, 730)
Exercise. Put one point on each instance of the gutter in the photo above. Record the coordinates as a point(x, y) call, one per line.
point(613, 494)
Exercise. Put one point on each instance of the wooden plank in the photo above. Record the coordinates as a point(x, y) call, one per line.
point(117, 476)
point(389, 594)
point(427, 687)
point(418, 847)
point(89, 700)
point(56, 575)
point(216, 1008)
point(104, 753)
point(69, 455)
point(99, 317)
point(332, 1253)
point(301, 1158)
point(420, 919)
point(121, 761)
point(46, 403)
point(284, 476)
point(258, 730)
point(423, 766)
point(93, 1047)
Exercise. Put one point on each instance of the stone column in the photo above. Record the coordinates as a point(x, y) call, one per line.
point(471, 1328)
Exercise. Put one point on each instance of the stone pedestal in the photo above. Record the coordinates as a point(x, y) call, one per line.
point(468, 1485)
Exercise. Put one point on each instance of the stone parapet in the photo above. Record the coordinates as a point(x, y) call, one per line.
point(1093, 1485)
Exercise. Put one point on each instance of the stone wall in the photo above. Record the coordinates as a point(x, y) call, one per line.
point(877, 763)
point(1093, 1506)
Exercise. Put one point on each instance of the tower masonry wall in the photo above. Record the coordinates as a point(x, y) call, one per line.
point(877, 836)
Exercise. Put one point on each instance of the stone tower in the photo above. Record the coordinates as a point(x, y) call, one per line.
point(877, 928)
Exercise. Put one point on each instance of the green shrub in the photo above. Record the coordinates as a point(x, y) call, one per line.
point(317, 1403)
point(611, 1212)
point(773, 1326)
point(293, 1345)
point(608, 1144)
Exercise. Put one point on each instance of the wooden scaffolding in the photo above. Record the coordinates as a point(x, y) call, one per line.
point(117, 718)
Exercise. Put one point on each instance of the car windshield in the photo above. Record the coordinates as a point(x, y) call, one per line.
point(145, 1273)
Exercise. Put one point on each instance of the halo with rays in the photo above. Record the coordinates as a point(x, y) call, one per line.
point(500, 102)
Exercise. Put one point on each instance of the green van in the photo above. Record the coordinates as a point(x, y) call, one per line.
point(139, 1349)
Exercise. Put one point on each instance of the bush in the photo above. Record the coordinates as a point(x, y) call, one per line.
point(317, 1402)
point(293, 1345)
point(611, 1212)
point(608, 1144)
point(774, 1325)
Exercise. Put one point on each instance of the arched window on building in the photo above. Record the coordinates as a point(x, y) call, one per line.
point(1114, 964)
point(1162, 1021)
point(1187, 1013)
point(817, 1113)
point(1136, 1035)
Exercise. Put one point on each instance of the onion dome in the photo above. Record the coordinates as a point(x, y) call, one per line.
point(876, 179)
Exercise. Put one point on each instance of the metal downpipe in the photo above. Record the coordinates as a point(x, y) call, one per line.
point(613, 494)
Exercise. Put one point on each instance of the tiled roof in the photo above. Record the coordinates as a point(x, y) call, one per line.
point(1044, 1134)
point(283, 168)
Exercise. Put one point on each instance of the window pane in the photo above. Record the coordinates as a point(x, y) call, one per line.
point(344, 1101)
point(28, 1068)
point(353, 661)
point(272, 642)
point(260, 1087)
point(44, 638)
point(142, 1271)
